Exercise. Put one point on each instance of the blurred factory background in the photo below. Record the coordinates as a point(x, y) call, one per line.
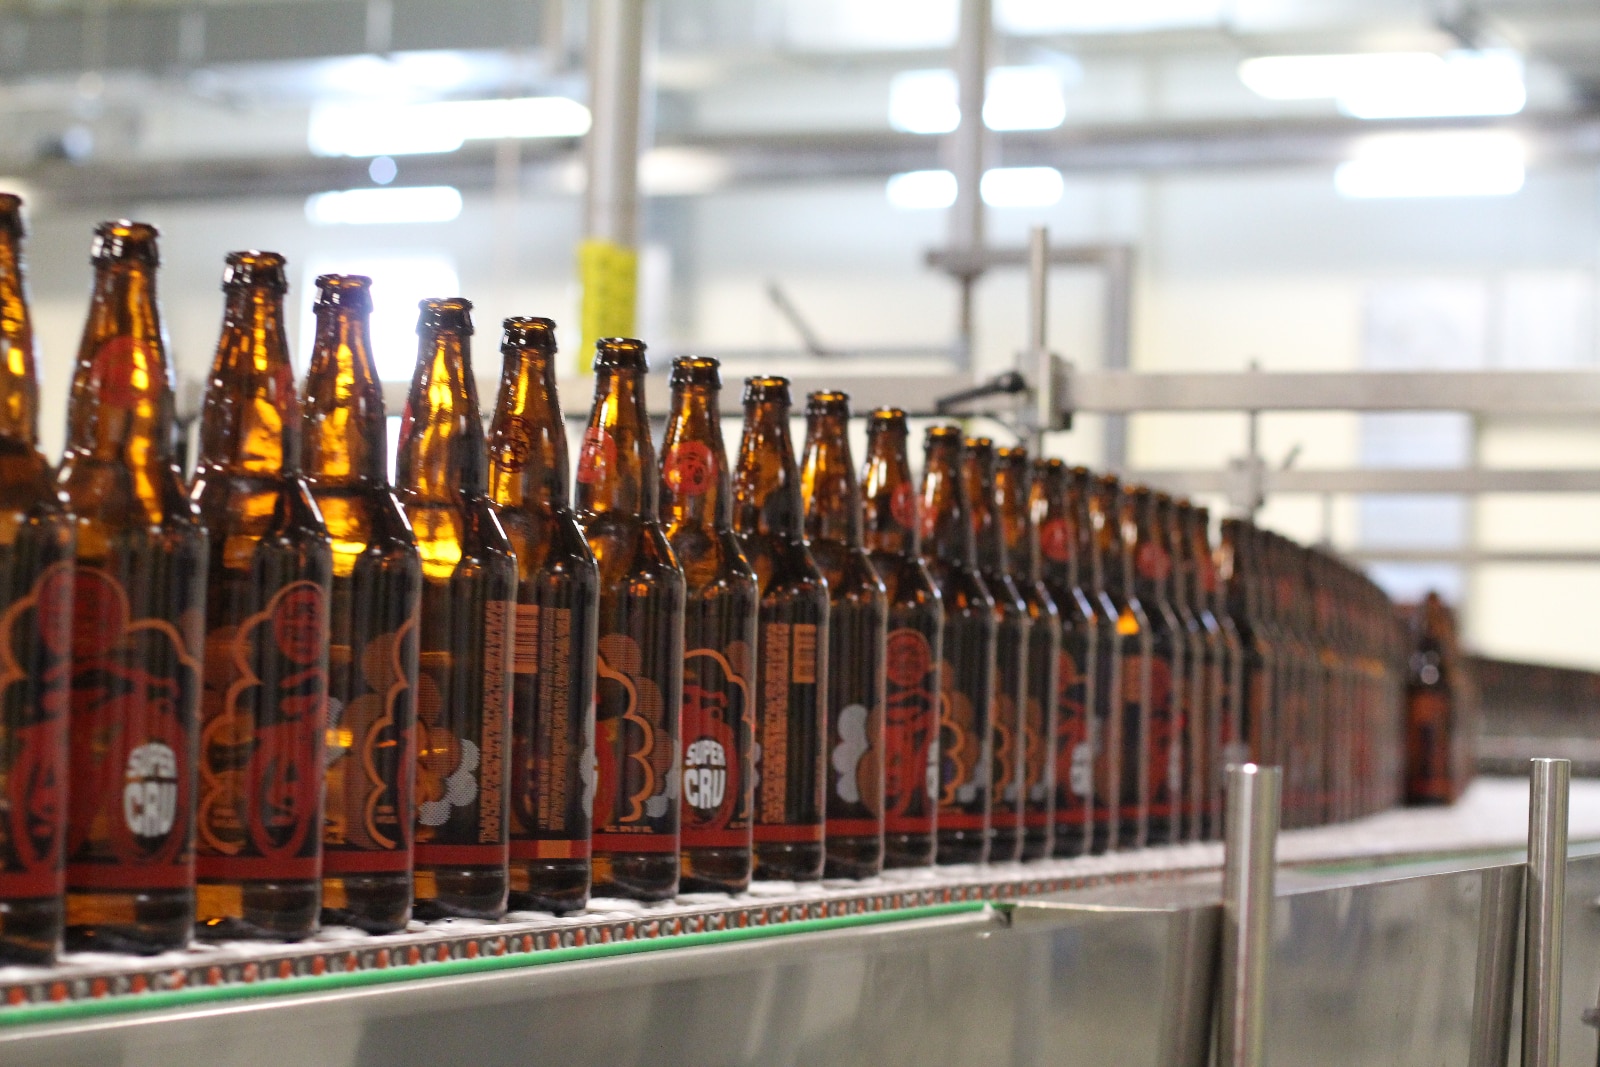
point(1295, 184)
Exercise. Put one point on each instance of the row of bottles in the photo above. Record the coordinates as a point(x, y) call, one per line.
point(290, 692)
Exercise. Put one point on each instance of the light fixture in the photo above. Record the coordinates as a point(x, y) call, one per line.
point(406, 203)
point(381, 129)
point(382, 170)
point(1015, 98)
point(1433, 164)
point(670, 171)
point(1002, 187)
point(1385, 85)
point(1033, 17)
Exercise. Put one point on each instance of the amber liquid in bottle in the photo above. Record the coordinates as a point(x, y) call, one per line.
point(138, 621)
point(258, 846)
point(1228, 744)
point(913, 647)
point(858, 613)
point(722, 603)
point(1024, 564)
point(791, 644)
point(1121, 766)
point(466, 634)
point(1055, 503)
point(372, 622)
point(553, 659)
point(967, 670)
point(36, 550)
point(1192, 556)
point(1012, 630)
point(1162, 664)
point(639, 693)
point(1431, 711)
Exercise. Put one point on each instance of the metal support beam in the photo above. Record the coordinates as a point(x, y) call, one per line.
point(1468, 481)
point(967, 148)
point(1248, 873)
point(1546, 906)
point(611, 150)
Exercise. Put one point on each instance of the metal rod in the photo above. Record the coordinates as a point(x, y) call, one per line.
point(1546, 905)
point(1038, 286)
point(616, 58)
point(1249, 867)
point(966, 151)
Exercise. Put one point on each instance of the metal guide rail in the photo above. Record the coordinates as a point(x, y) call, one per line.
point(1491, 816)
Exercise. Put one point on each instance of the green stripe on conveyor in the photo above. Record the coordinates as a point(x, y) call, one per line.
point(179, 998)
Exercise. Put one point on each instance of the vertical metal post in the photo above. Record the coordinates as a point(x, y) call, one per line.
point(1546, 899)
point(967, 149)
point(1037, 363)
point(1038, 286)
point(1117, 341)
point(1249, 869)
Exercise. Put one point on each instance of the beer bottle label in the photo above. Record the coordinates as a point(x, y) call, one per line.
point(718, 730)
point(372, 734)
point(789, 804)
point(552, 757)
point(1035, 754)
point(635, 808)
point(461, 798)
point(261, 740)
point(1165, 741)
point(1107, 730)
point(855, 721)
point(689, 468)
point(911, 758)
point(966, 682)
point(1074, 753)
point(135, 694)
point(1428, 745)
point(35, 650)
point(1006, 809)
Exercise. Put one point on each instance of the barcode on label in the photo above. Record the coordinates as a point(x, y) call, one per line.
point(805, 653)
point(526, 642)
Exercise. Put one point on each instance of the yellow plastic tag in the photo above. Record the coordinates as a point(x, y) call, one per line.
point(609, 274)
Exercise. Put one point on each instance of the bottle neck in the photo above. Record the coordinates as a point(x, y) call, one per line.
point(345, 430)
point(251, 419)
point(987, 538)
point(888, 499)
point(527, 436)
point(767, 496)
point(1018, 532)
point(946, 521)
point(121, 404)
point(19, 382)
point(1109, 547)
point(616, 465)
point(828, 483)
point(696, 489)
point(441, 451)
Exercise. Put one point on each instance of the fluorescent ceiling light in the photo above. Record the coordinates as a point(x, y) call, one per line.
point(407, 203)
point(376, 129)
point(681, 172)
point(1433, 164)
point(923, 190)
point(1383, 85)
point(1015, 98)
point(1029, 17)
point(1021, 186)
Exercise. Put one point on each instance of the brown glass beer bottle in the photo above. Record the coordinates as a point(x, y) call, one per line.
point(1114, 512)
point(1162, 723)
point(639, 688)
point(1193, 687)
point(1215, 745)
point(467, 629)
point(912, 649)
point(1011, 653)
point(1097, 507)
point(967, 672)
point(372, 621)
point(36, 549)
point(792, 644)
point(553, 658)
point(258, 846)
point(721, 605)
point(1055, 502)
point(1013, 482)
point(138, 620)
point(858, 615)
point(1430, 708)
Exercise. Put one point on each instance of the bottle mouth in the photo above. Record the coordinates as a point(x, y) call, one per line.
point(11, 214)
point(252, 269)
point(527, 331)
point(1013, 456)
point(620, 353)
point(887, 419)
point(1048, 463)
point(943, 435)
point(766, 389)
point(121, 239)
point(982, 447)
point(828, 402)
point(448, 313)
point(345, 290)
point(697, 370)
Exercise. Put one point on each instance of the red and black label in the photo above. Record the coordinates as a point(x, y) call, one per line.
point(903, 505)
point(552, 716)
point(718, 725)
point(688, 468)
point(1055, 540)
point(911, 725)
point(790, 720)
point(261, 740)
point(35, 646)
point(1428, 745)
point(855, 720)
point(597, 457)
point(371, 734)
point(636, 795)
point(966, 680)
point(1074, 750)
point(135, 695)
